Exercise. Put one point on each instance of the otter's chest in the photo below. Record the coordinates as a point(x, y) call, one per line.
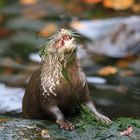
point(69, 94)
point(73, 84)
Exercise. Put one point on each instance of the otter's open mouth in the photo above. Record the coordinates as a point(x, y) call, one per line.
point(62, 41)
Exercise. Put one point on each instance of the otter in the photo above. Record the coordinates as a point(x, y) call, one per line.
point(59, 84)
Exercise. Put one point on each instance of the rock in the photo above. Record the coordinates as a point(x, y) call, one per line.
point(10, 99)
point(15, 129)
point(116, 37)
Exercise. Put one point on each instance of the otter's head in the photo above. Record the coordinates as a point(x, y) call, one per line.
point(62, 42)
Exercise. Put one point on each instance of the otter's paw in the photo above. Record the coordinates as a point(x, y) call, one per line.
point(103, 119)
point(64, 124)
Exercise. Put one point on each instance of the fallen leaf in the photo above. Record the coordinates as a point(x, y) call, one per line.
point(3, 120)
point(5, 32)
point(77, 25)
point(118, 4)
point(136, 8)
point(123, 63)
point(45, 133)
point(48, 30)
point(106, 71)
point(28, 2)
point(127, 132)
point(92, 1)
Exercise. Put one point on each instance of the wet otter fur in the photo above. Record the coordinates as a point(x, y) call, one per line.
point(59, 84)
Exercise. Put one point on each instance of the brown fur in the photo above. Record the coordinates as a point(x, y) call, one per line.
point(69, 91)
point(35, 105)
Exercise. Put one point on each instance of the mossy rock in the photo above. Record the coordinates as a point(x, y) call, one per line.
point(15, 129)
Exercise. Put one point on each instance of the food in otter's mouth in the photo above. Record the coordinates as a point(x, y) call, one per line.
point(61, 42)
point(59, 85)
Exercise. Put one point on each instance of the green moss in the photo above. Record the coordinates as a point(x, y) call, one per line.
point(65, 73)
point(44, 50)
point(86, 128)
point(72, 56)
point(87, 119)
point(123, 123)
point(69, 61)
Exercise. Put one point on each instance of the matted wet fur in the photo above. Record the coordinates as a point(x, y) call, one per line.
point(59, 84)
